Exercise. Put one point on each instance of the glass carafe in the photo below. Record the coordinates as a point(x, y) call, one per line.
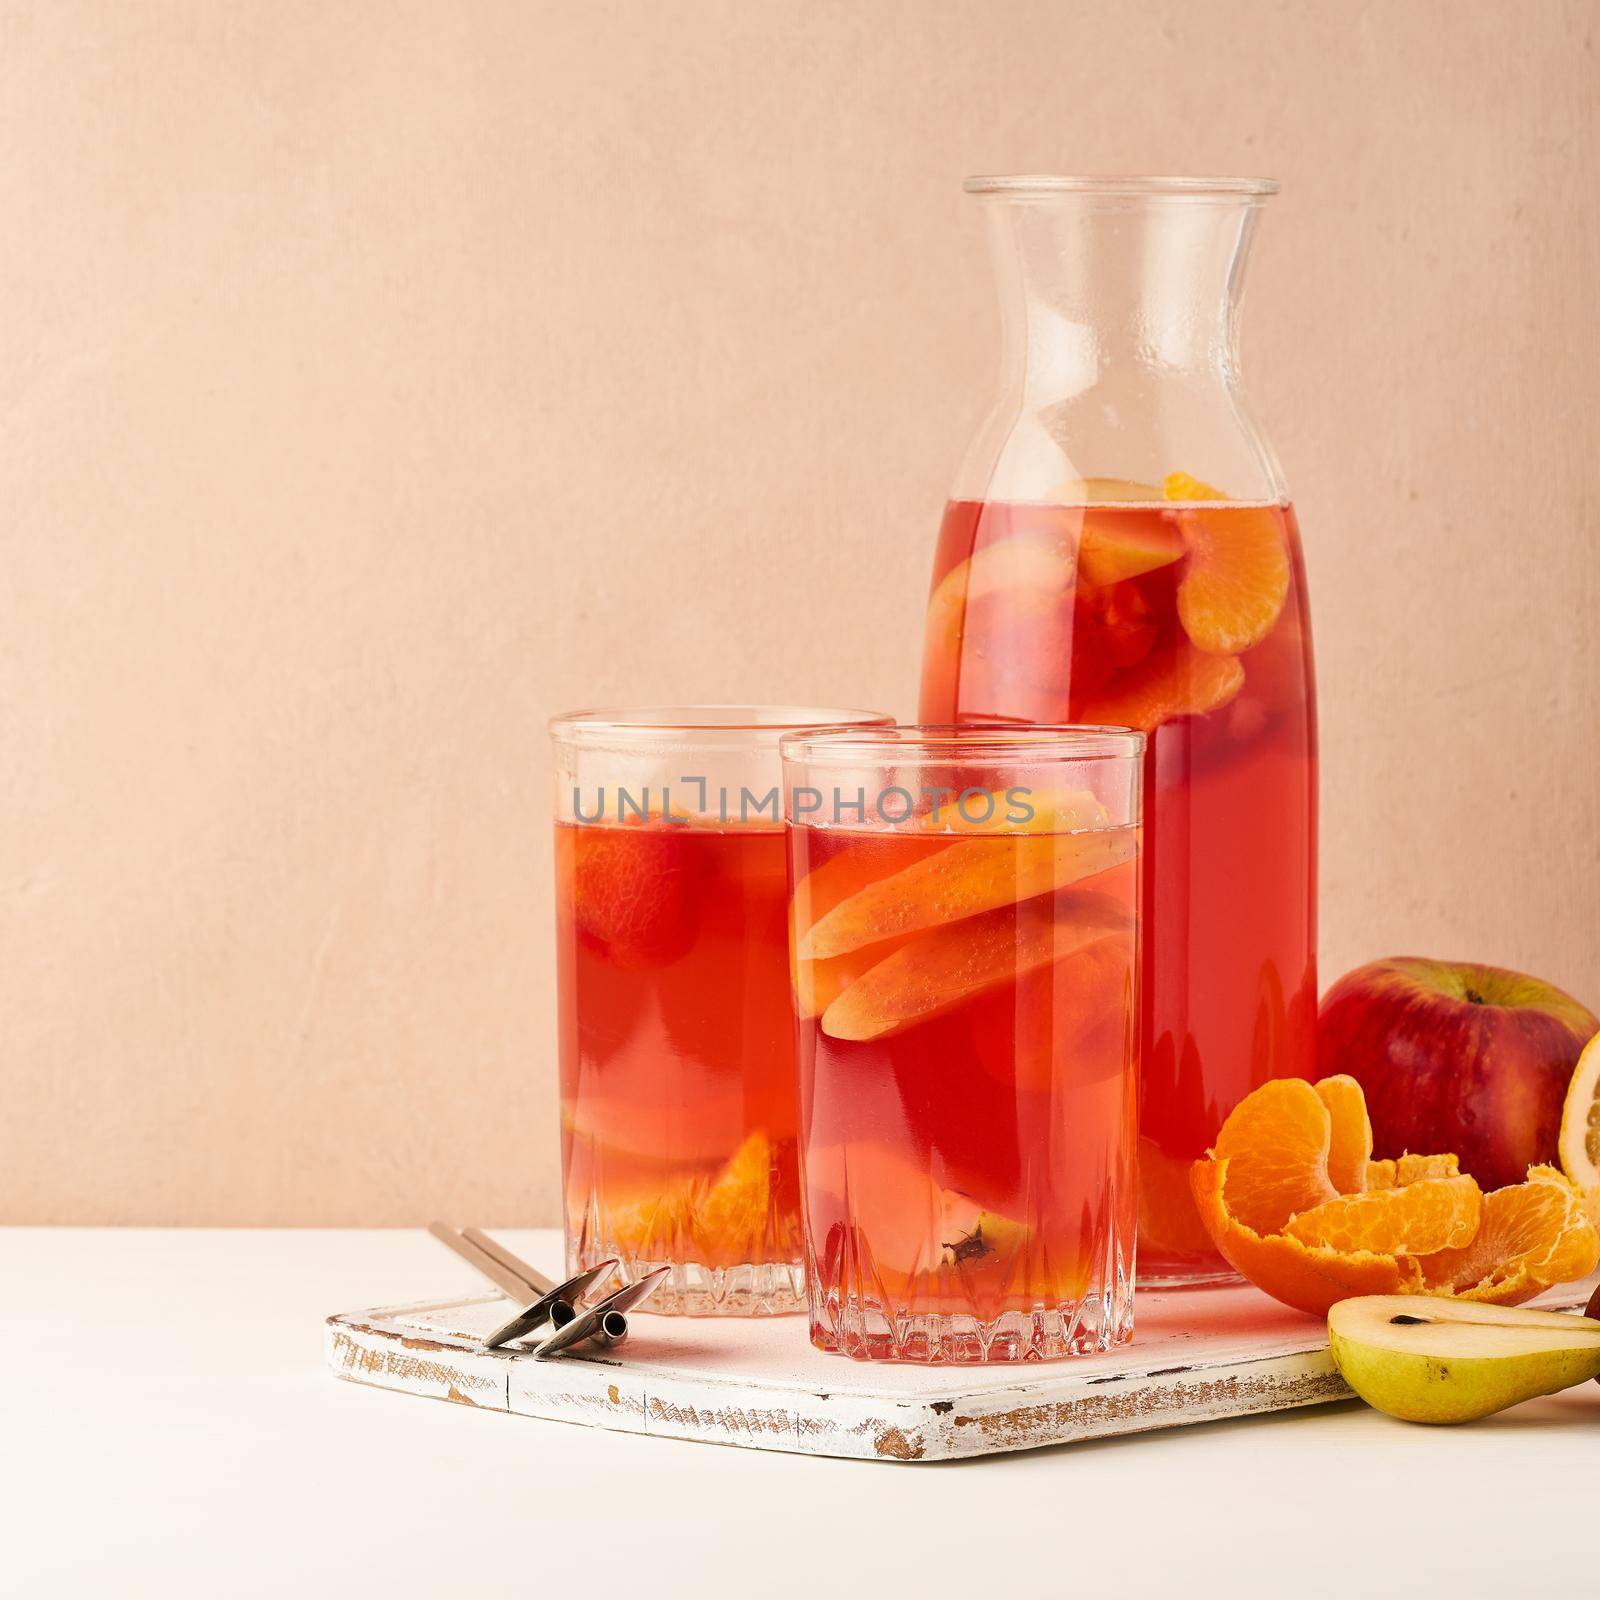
point(1120, 548)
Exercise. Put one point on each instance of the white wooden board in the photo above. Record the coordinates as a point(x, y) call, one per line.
point(1197, 1356)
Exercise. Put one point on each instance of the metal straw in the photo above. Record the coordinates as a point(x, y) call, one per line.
point(558, 1304)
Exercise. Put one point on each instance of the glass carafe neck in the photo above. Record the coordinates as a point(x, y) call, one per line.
point(1119, 305)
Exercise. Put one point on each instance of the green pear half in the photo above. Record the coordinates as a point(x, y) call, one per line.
point(1430, 1360)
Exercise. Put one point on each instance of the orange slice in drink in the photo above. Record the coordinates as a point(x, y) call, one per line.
point(719, 1223)
point(730, 1220)
point(818, 982)
point(944, 965)
point(634, 892)
point(1176, 682)
point(1018, 810)
point(911, 1245)
point(963, 880)
point(1237, 576)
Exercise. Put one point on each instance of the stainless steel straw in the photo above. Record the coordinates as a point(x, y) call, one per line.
point(543, 1301)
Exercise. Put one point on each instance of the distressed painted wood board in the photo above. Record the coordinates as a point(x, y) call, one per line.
point(1197, 1356)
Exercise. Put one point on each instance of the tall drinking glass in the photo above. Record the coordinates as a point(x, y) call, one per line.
point(964, 924)
point(678, 1112)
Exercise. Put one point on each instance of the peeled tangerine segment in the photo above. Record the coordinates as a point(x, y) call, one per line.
point(1408, 1169)
point(943, 966)
point(1176, 682)
point(1432, 1214)
point(1237, 576)
point(1532, 1235)
point(1277, 1141)
point(1350, 1139)
point(964, 879)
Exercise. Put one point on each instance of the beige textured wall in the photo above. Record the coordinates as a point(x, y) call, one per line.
point(376, 378)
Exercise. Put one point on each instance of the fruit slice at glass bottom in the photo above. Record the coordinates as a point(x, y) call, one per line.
point(906, 1268)
point(731, 1236)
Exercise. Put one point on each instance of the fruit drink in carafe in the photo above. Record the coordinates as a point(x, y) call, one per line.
point(1162, 601)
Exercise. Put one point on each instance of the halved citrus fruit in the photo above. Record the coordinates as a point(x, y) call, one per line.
point(1178, 681)
point(1580, 1120)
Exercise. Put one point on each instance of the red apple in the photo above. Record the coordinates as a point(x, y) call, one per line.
point(1456, 1056)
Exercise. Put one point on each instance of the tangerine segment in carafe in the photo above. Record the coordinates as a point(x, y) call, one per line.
point(1236, 576)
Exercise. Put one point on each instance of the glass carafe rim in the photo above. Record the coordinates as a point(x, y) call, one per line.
point(1043, 185)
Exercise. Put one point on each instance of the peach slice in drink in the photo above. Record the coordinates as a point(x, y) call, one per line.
point(818, 981)
point(943, 966)
point(1111, 550)
point(1176, 682)
point(964, 879)
point(1038, 566)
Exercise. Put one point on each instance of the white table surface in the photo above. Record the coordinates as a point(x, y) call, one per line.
point(169, 1429)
